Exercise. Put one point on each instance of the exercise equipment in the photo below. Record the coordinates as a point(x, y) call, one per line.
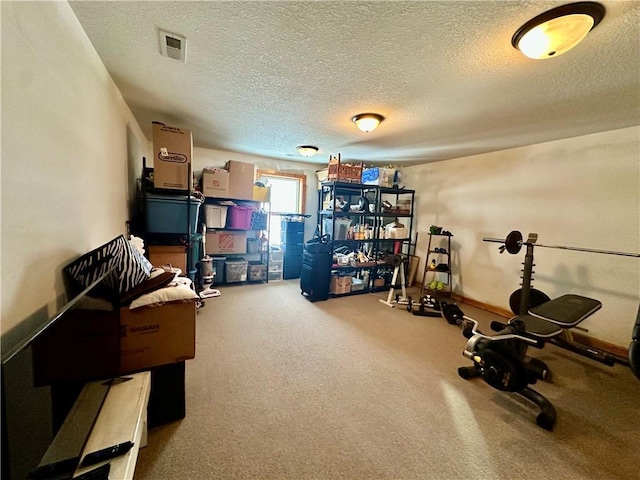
point(426, 307)
point(397, 262)
point(452, 313)
point(634, 348)
point(501, 360)
point(513, 243)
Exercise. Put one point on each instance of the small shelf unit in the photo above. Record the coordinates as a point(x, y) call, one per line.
point(438, 265)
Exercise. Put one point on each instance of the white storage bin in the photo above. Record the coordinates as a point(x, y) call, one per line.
point(215, 216)
point(276, 256)
point(275, 276)
point(341, 227)
point(275, 266)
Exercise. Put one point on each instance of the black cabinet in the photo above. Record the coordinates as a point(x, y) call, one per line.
point(292, 241)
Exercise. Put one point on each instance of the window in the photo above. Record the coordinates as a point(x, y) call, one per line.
point(287, 197)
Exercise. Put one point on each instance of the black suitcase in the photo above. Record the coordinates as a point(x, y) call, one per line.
point(316, 275)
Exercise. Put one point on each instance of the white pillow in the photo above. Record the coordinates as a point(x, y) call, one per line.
point(177, 291)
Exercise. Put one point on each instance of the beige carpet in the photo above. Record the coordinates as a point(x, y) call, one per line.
point(282, 388)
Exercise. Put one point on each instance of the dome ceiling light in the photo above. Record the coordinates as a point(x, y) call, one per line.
point(367, 121)
point(307, 150)
point(558, 30)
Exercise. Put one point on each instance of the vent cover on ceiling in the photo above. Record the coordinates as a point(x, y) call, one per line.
point(173, 45)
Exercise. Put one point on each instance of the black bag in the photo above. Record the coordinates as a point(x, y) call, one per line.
point(318, 244)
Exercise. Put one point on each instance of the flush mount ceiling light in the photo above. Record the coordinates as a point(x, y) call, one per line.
point(558, 30)
point(307, 150)
point(367, 121)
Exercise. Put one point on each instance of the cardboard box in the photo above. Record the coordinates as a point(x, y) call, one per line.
point(150, 337)
point(261, 194)
point(176, 255)
point(173, 169)
point(340, 284)
point(223, 241)
point(215, 183)
point(241, 177)
point(108, 343)
point(384, 177)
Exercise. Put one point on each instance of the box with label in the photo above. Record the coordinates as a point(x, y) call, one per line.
point(215, 182)
point(241, 179)
point(384, 177)
point(224, 241)
point(150, 337)
point(172, 154)
point(340, 284)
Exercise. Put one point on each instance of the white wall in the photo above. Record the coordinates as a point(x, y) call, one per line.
point(70, 146)
point(582, 192)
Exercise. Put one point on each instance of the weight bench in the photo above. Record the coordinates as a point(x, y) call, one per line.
point(501, 359)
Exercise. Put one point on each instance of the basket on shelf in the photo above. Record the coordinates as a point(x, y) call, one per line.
point(344, 172)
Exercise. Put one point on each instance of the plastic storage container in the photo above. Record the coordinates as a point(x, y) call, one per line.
point(257, 271)
point(239, 217)
point(215, 216)
point(275, 266)
point(341, 227)
point(235, 270)
point(168, 214)
point(276, 256)
point(218, 270)
point(275, 276)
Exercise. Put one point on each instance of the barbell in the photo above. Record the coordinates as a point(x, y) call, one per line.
point(514, 242)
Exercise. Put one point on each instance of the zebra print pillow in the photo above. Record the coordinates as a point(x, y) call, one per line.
point(131, 267)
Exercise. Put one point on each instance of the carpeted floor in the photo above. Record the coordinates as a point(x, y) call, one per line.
point(282, 388)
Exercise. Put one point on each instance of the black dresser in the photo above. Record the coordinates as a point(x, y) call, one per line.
point(292, 240)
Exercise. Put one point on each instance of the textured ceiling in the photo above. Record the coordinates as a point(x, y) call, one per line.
point(262, 77)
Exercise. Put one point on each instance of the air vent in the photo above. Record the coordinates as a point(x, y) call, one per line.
point(173, 45)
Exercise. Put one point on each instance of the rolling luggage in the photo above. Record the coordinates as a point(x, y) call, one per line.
point(316, 269)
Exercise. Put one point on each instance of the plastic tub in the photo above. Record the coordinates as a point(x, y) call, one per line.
point(168, 214)
point(215, 216)
point(235, 270)
point(257, 271)
point(239, 217)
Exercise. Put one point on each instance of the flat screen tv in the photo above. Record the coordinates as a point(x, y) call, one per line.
point(44, 369)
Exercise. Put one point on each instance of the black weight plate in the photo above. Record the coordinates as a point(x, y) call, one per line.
point(536, 297)
point(513, 242)
point(502, 372)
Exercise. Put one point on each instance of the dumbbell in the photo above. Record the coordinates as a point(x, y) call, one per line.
point(452, 313)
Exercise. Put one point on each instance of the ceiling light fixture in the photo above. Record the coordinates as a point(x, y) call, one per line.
point(558, 30)
point(367, 121)
point(307, 150)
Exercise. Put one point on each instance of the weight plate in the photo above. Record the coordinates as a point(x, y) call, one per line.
point(536, 297)
point(513, 243)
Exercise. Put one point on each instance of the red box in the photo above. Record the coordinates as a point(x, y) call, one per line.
point(239, 217)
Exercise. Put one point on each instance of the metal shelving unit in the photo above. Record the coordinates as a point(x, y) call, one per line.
point(355, 216)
